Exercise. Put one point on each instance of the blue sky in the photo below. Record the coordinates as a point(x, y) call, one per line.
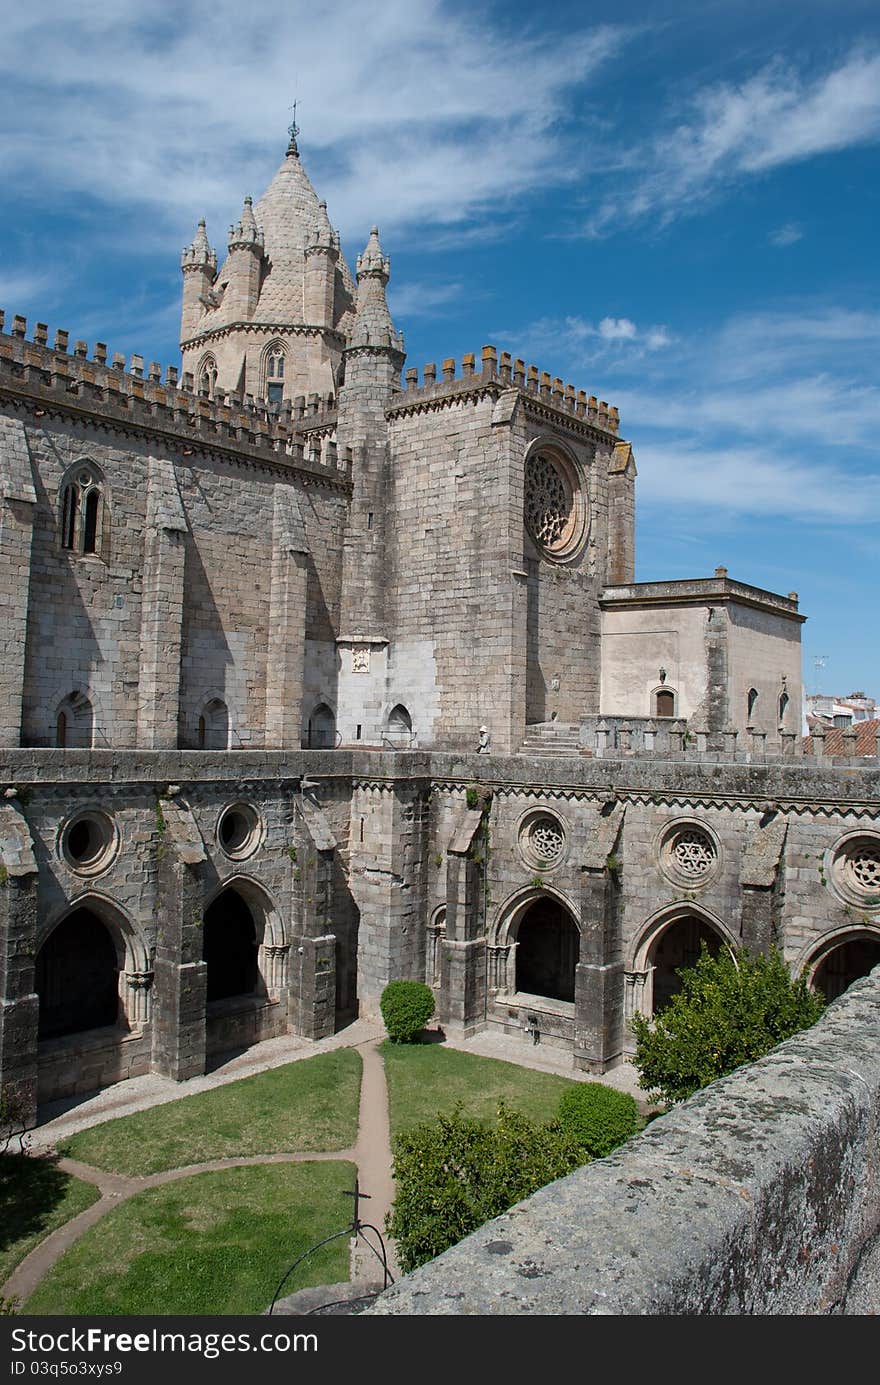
point(674, 206)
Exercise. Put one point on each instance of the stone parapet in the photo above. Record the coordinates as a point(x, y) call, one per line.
point(757, 1196)
point(504, 373)
point(298, 434)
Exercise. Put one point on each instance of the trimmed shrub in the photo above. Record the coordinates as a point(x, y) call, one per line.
point(598, 1118)
point(455, 1173)
point(406, 1008)
point(730, 1011)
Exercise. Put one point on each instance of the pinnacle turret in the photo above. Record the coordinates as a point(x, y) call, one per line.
point(199, 255)
point(246, 232)
point(373, 325)
point(372, 261)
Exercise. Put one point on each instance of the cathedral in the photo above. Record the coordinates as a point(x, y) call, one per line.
point(321, 670)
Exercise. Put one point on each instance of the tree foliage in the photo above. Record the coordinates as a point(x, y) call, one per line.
point(406, 1008)
point(731, 1010)
point(454, 1173)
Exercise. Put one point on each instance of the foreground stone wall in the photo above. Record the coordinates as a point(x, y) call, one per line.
point(760, 1195)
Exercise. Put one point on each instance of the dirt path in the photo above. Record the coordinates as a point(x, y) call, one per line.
point(371, 1154)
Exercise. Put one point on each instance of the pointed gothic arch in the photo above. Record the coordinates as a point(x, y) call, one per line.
point(92, 969)
point(83, 518)
point(669, 941)
point(839, 958)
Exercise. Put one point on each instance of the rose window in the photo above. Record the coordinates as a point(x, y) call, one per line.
point(692, 853)
point(546, 839)
point(855, 871)
point(541, 839)
point(548, 501)
point(689, 854)
point(866, 870)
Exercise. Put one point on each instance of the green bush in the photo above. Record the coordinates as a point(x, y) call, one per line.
point(406, 1008)
point(730, 1011)
point(598, 1118)
point(454, 1173)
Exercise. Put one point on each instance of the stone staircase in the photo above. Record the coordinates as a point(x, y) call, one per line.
point(551, 738)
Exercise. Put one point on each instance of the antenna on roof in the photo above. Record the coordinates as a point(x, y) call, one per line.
point(293, 130)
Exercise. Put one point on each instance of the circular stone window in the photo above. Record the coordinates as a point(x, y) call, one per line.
point(555, 507)
point(89, 841)
point(541, 839)
point(688, 854)
point(855, 870)
point(238, 830)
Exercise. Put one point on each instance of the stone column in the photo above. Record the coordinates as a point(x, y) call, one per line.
point(19, 1005)
point(312, 965)
point(285, 651)
point(598, 993)
point(17, 505)
point(181, 976)
point(389, 882)
point(136, 997)
point(463, 987)
point(161, 610)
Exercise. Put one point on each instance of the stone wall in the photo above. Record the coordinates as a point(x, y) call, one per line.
point(760, 1195)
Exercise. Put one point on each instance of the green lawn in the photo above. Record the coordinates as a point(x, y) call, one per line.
point(35, 1198)
point(426, 1079)
point(309, 1105)
point(212, 1243)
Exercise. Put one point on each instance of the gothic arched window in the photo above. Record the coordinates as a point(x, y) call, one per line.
point(208, 377)
point(82, 510)
point(275, 374)
point(750, 703)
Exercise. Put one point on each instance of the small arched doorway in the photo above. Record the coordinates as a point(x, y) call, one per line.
point(400, 725)
point(548, 946)
point(853, 957)
point(664, 703)
point(213, 728)
point(75, 723)
point(230, 947)
point(77, 977)
point(322, 728)
point(677, 947)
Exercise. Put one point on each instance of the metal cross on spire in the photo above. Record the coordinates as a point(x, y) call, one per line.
point(293, 130)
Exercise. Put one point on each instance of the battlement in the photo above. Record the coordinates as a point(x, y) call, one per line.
point(507, 372)
point(300, 431)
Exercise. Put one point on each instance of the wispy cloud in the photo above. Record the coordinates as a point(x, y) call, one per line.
point(581, 343)
point(421, 300)
point(788, 234)
point(728, 132)
point(125, 107)
point(745, 481)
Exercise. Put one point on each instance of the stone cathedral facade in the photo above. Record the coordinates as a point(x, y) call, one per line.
point(320, 671)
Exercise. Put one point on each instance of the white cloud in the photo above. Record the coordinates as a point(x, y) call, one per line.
point(617, 329)
point(727, 132)
point(575, 343)
point(788, 234)
point(743, 481)
point(178, 111)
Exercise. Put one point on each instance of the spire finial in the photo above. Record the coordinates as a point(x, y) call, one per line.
point(293, 131)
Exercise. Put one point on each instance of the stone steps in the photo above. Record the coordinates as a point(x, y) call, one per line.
point(551, 738)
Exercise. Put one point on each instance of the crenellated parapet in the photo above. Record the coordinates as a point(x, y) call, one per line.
point(126, 392)
point(503, 370)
